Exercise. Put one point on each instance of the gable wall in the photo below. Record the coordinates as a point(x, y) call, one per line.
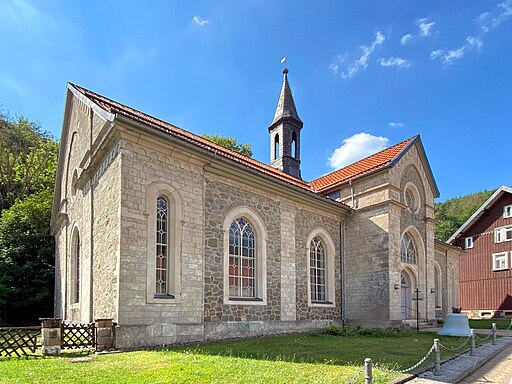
point(481, 288)
point(93, 216)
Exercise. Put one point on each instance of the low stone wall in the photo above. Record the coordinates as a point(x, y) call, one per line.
point(135, 337)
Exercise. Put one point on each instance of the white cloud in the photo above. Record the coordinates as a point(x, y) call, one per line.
point(356, 148)
point(437, 53)
point(425, 26)
point(394, 62)
point(493, 19)
point(453, 54)
point(474, 42)
point(362, 62)
point(395, 125)
point(406, 39)
point(335, 65)
point(196, 20)
point(503, 14)
point(449, 56)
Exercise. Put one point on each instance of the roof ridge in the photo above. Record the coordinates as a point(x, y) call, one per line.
point(113, 106)
point(331, 179)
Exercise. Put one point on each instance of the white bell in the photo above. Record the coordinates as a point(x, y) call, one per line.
point(455, 324)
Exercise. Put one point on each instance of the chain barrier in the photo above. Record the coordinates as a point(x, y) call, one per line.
point(482, 338)
point(352, 380)
point(455, 348)
point(411, 368)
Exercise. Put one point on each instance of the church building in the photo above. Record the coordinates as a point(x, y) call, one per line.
point(178, 239)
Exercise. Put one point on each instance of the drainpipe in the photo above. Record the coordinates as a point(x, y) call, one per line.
point(342, 271)
point(352, 194)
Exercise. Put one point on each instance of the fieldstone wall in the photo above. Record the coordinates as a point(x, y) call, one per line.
point(220, 199)
point(305, 222)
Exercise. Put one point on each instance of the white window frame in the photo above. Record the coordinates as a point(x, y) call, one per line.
point(500, 255)
point(468, 242)
point(175, 224)
point(500, 234)
point(507, 211)
point(330, 251)
point(260, 243)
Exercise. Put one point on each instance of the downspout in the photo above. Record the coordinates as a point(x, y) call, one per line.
point(352, 194)
point(342, 271)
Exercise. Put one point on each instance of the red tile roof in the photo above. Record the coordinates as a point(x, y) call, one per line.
point(361, 167)
point(117, 108)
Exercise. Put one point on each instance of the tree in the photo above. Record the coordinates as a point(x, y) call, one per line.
point(230, 143)
point(26, 260)
point(28, 159)
point(452, 213)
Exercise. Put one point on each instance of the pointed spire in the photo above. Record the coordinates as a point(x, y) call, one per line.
point(285, 105)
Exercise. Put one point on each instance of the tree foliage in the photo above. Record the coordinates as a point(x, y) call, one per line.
point(452, 213)
point(26, 260)
point(28, 160)
point(230, 143)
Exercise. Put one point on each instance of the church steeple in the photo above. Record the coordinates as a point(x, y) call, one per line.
point(285, 133)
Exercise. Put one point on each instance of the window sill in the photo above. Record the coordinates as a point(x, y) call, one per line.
point(155, 298)
point(244, 301)
point(321, 304)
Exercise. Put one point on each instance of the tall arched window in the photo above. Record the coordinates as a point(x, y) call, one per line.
point(293, 149)
point(242, 260)
point(276, 146)
point(162, 246)
point(317, 270)
point(408, 250)
point(437, 286)
point(75, 267)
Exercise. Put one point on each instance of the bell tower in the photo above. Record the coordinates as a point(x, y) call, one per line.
point(285, 133)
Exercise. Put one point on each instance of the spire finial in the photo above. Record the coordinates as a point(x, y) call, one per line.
point(285, 70)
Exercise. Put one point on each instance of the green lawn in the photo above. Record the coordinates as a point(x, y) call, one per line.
point(487, 323)
point(315, 358)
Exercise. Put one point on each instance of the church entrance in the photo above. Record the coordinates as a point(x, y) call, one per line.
point(406, 295)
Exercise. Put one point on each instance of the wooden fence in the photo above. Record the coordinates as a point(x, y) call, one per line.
point(19, 341)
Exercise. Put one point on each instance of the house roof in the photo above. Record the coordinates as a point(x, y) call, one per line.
point(375, 162)
point(114, 107)
point(480, 211)
point(285, 105)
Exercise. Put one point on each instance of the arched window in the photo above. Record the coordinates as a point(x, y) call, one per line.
point(408, 250)
point(293, 149)
point(437, 286)
point(75, 267)
point(164, 213)
point(317, 270)
point(242, 260)
point(162, 246)
point(276, 147)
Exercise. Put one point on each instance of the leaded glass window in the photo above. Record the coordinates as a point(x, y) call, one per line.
point(162, 246)
point(408, 251)
point(242, 260)
point(77, 278)
point(317, 270)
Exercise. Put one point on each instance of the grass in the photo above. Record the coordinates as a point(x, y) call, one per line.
point(318, 358)
point(487, 323)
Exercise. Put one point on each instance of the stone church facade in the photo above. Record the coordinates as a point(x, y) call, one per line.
point(178, 239)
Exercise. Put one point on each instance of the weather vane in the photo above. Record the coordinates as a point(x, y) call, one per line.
point(283, 60)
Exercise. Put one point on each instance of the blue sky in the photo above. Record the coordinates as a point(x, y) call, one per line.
point(365, 74)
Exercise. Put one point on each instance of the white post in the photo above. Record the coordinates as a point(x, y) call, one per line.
point(493, 333)
point(472, 342)
point(437, 350)
point(368, 371)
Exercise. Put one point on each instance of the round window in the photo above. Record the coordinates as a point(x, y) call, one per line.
point(412, 197)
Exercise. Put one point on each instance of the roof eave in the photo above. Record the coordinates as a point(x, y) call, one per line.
point(305, 194)
point(475, 216)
